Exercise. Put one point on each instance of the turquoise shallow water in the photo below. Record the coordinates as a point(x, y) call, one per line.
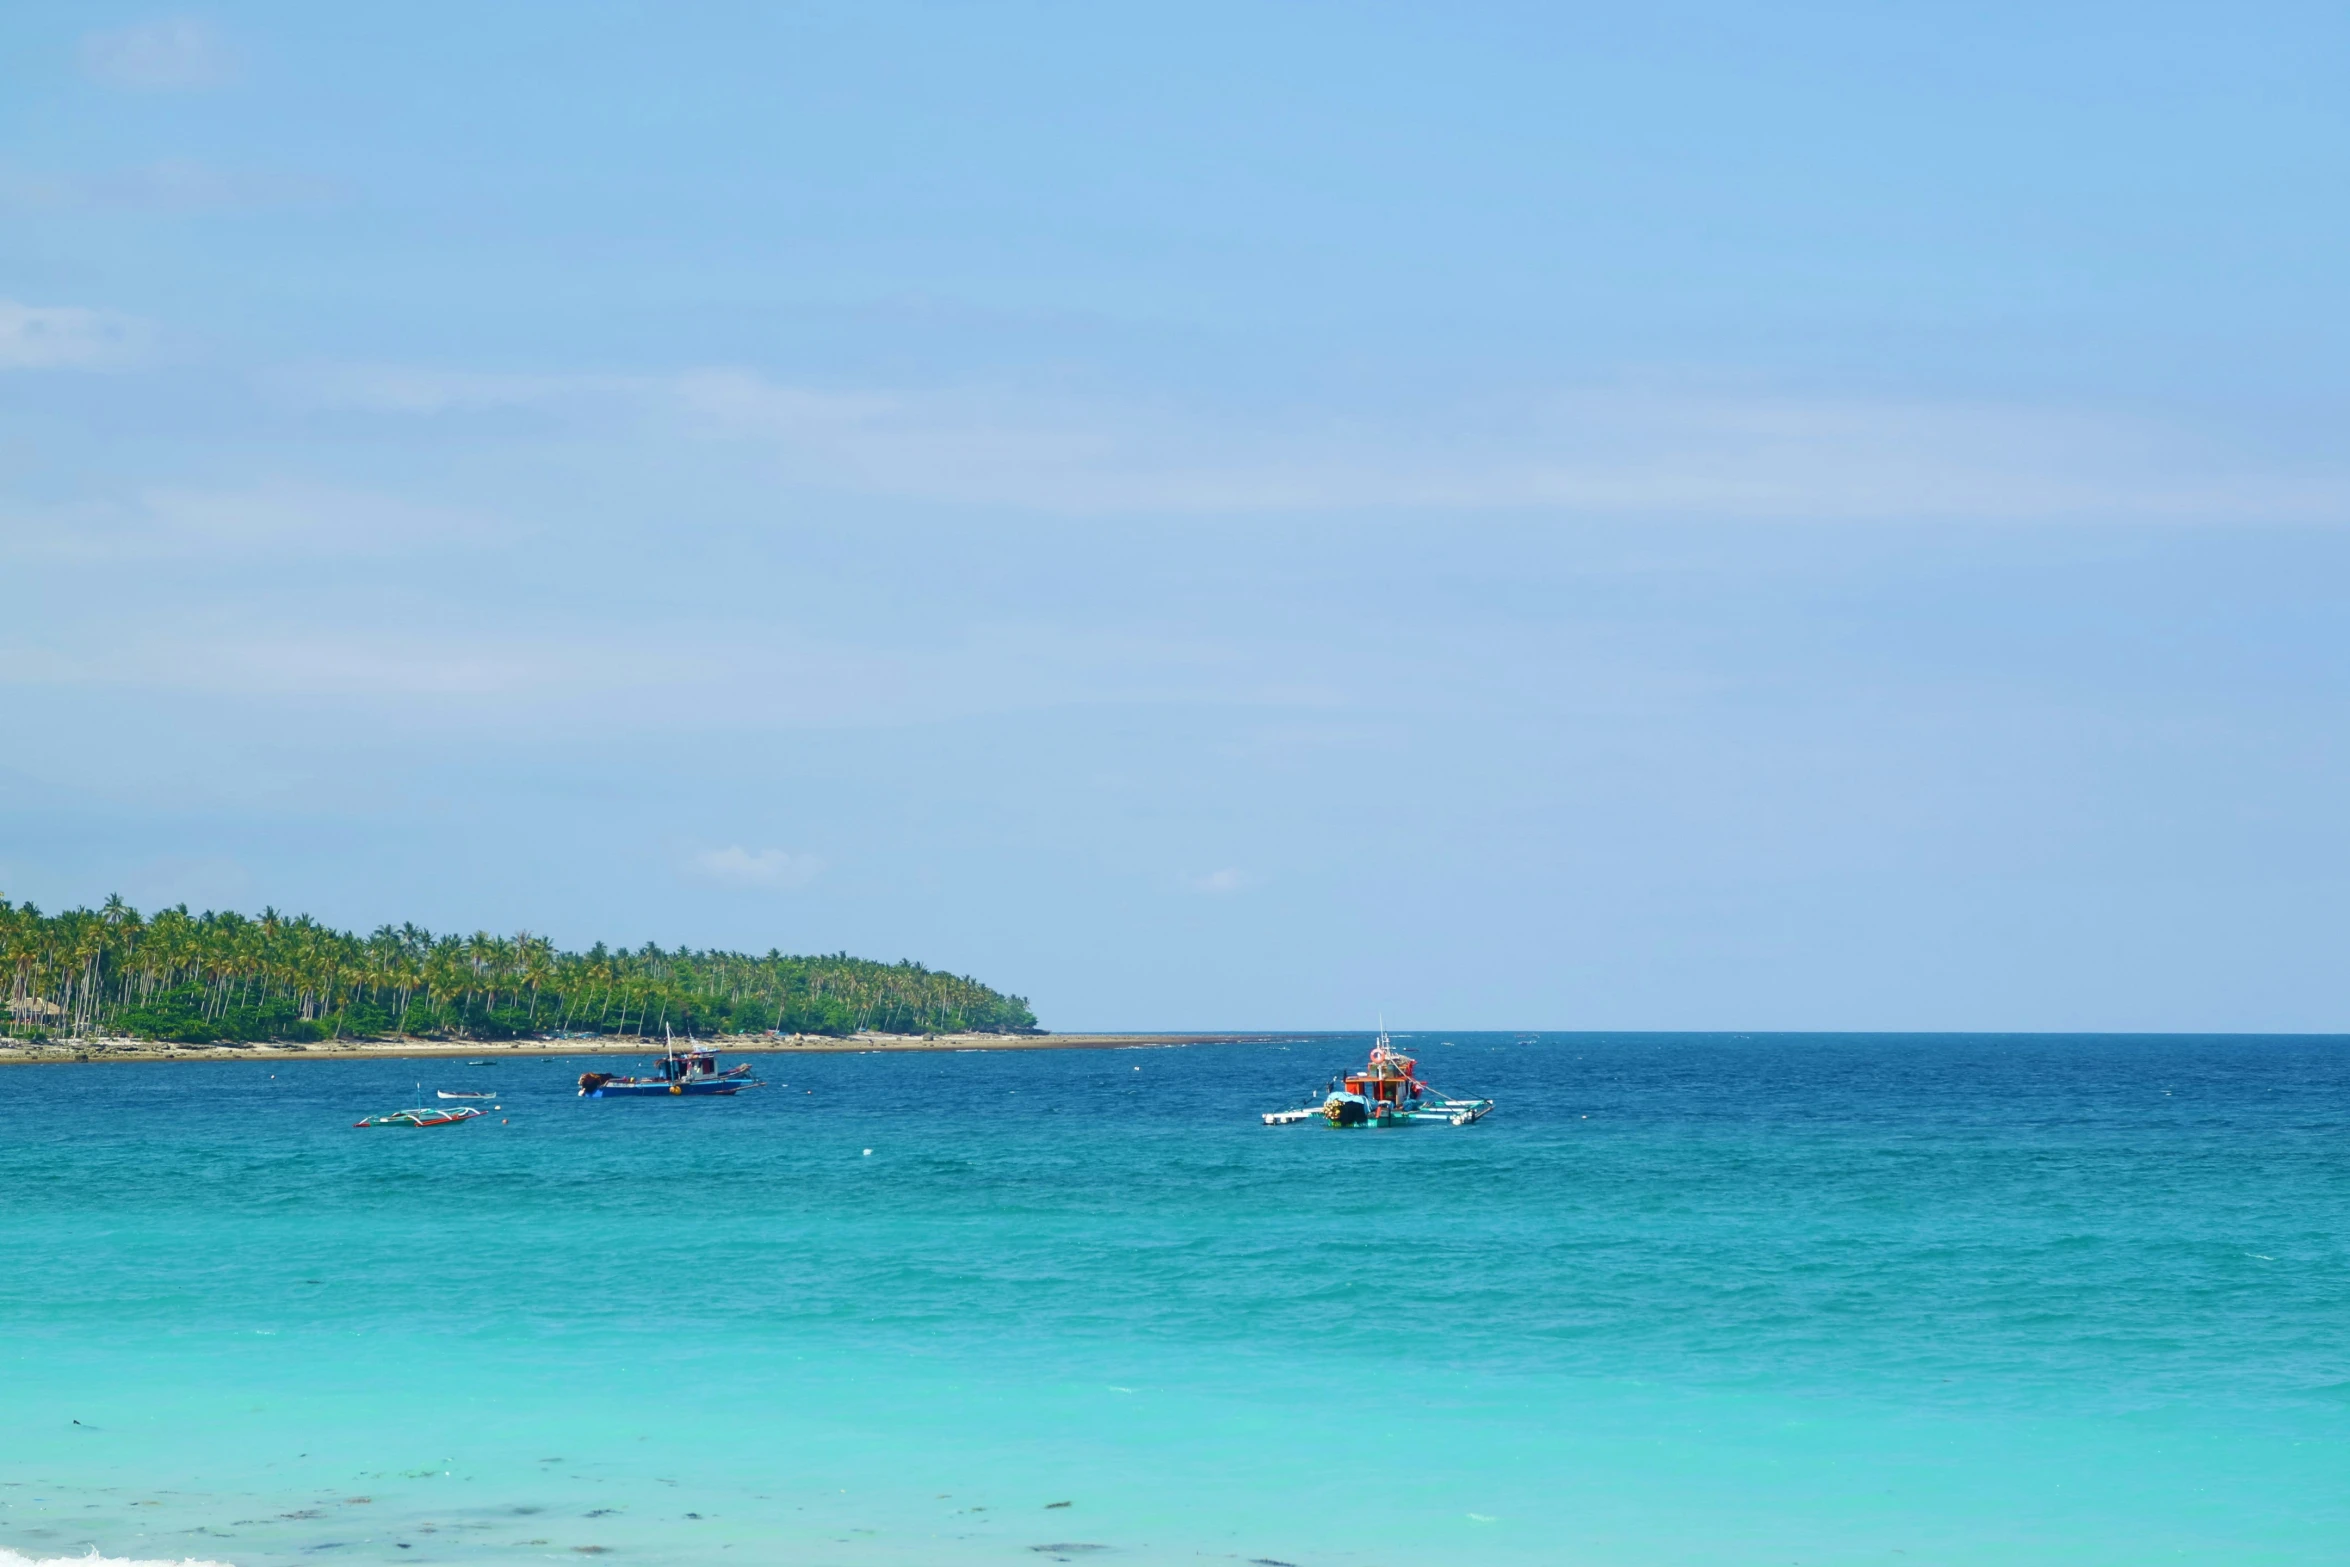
point(1681, 1299)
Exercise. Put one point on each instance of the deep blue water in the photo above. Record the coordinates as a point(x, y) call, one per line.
point(1680, 1299)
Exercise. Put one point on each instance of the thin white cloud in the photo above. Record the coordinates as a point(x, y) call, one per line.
point(309, 518)
point(217, 656)
point(277, 517)
point(1624, 450)
point(739, 867)
point(67, 337)
point(165, 54)
point(203, 881)
point(167, 185)
point(422, 390)
point(400, 666)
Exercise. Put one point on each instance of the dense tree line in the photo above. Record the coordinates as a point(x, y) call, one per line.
point(204, 977)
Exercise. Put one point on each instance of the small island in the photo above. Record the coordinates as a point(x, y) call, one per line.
point(223, 980)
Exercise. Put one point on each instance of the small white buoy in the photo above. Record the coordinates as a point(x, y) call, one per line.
point(868, 1153)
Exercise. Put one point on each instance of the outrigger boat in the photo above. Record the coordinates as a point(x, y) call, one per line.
point(421, 1117)
point(1388, 1092)
point(443, 1093)
point(693, 1070)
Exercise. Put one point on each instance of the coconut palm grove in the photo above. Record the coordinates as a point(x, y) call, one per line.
point(224, 977)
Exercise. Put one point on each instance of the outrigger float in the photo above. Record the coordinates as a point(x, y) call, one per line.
point(1388, 1092)
point(693, 1070)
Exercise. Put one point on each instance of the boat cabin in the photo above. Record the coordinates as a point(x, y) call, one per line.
point(687, 1066)
point(1391, 1078)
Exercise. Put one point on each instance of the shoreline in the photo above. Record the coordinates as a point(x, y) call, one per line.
point(77, 1052)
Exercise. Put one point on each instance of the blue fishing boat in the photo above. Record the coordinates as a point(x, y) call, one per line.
point(693, 1070)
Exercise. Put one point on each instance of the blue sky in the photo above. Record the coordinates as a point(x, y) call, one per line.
point(1207, 516)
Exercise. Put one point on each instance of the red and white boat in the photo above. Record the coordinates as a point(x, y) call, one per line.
point(1388, 1092)
point(425, 1117)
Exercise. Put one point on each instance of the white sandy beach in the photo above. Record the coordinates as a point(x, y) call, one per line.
point(110, 1048)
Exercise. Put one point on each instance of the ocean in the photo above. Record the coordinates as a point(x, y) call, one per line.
point(1681, 1299)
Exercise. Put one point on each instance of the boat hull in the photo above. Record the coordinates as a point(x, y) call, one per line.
point(1455, 1112)
point(661, 1090)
